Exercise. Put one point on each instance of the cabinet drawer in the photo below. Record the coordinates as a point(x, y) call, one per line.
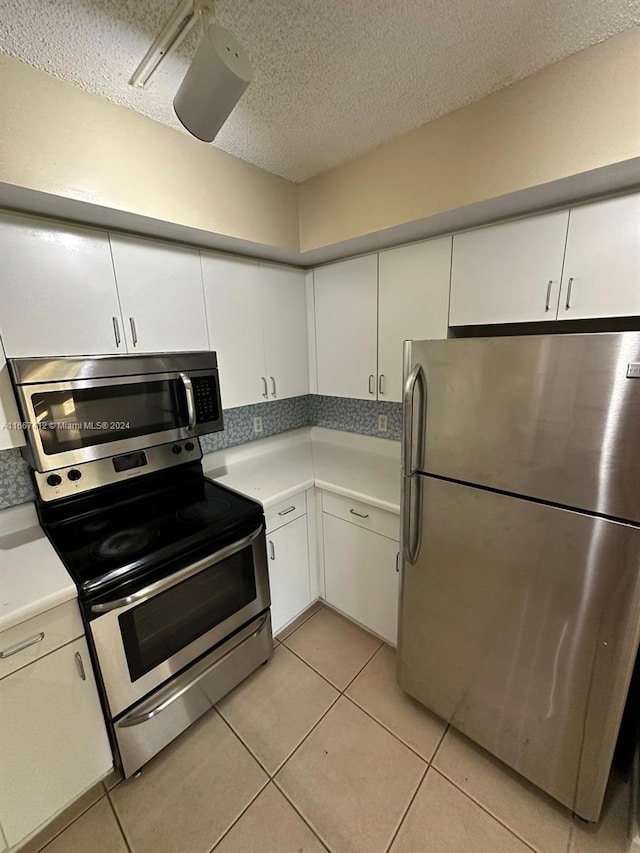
point(285, 511)
point(364, 515)
point(57, 626)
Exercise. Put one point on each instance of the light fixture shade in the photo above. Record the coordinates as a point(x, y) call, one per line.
point(219, 73)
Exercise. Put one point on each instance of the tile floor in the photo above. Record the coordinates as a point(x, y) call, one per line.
point(320, 750)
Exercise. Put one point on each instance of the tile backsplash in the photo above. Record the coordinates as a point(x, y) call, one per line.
point(348, 415)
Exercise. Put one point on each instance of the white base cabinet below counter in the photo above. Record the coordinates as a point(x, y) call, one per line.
point(53, 740)
point(288, 562)
point(360, 575)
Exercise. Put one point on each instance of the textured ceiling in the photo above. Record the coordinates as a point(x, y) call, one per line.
point(333, 78)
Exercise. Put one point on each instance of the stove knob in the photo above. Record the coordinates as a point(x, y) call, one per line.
point(74, 474)
point(54, 479)
point(189, 446)
point(176, 449)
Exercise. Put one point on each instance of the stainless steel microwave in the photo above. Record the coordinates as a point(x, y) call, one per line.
point(76, 410)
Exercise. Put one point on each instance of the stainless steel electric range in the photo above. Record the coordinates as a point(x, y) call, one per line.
point(171, 570)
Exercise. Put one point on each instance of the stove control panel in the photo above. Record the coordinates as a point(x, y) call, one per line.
point(73, 480)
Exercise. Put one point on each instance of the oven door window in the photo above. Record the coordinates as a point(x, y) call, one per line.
point(156, 630)
point(74, 418)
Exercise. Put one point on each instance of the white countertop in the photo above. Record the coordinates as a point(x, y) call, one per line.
point(273, 469)
point(32, 577)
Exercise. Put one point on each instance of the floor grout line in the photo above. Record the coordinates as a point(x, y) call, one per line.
point(71, 822)
point(301, 816)
point(485, 809)
point(244, 810)
point(304, 622)
point(128, 844)
point(317, 671)
point(238, 736)
point(406, 811)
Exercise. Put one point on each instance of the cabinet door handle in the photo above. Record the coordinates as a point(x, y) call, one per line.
point(134, 331)
point(569, 286)
point(546, 304)
point(286, 511)
point(19, 647)
point(398, 562)
point(80, 665)
point(381, 384)
point(265, 393)
point(273, 386)
point(372, 384)
point(272, 550)
point(116, 331)
point(359, 514)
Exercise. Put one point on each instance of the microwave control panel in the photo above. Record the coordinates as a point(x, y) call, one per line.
point(207, 400)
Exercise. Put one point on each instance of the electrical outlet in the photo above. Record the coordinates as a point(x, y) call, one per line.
point(257, 425)
point(382, 423)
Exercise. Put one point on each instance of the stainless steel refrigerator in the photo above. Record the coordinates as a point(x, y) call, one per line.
point(520, 605)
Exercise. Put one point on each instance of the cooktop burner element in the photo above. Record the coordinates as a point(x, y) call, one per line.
point(198, 513)
point(125, 543)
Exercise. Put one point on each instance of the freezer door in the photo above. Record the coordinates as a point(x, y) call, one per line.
point(519, 625)
point(556, 417)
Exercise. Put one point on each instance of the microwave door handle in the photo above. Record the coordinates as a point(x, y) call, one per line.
point(191, 403)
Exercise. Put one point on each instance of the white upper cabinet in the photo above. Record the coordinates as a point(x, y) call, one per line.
point(285, 330)
point(346, 308)
point(57, 289)
point(602, 264)
point(413, 304)
point(161, 295)
point(508, 273)
point(9, 438)
point(234, 315)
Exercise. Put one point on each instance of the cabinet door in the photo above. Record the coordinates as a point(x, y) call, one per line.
point(288, 553)
point(346, 302)
point(160, 289)
point(285, 330)
point(58, 294)
point(413, 304)
point(360, 575)
point(9, 438)
point(234, 317)
point(53, 739)
point(508, 273)
point(602, 266)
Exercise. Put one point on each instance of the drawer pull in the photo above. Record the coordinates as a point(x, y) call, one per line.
point(359, 514)
point(19, 647)
point(287, 510)
point(80, 665)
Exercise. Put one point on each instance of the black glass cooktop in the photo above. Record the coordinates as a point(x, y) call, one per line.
point(111, 539)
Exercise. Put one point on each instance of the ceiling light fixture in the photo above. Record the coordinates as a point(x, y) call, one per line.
point(218, 75)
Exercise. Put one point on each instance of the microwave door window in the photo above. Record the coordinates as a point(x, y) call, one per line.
point(74, 418)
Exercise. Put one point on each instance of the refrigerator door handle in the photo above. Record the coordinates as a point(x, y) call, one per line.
point(411, 533)
point(416, 377)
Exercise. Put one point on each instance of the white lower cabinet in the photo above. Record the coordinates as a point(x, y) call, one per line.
point(53, 740)
point(288, 561)
point(360, 575)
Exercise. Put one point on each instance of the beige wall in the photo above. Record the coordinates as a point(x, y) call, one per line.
point(56, 138)
point(579, 114)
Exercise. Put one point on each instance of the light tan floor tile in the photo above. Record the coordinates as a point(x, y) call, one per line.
point(114, 778)
point(190, 793)
point(333, 645)
point(444, 820)
point(351, 780)
point(63, 820)
point(270, 825)
point(530, 813)
point(97, 831)
point(610, 834)
point(376, 690)
point(301, 619)
point(277, 706)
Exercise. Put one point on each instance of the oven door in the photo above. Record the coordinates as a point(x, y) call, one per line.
point(143, 640)
point(85, 419)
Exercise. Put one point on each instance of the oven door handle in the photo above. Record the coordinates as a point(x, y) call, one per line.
point(191, 402)
point(168, 699)
point(176, 577)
